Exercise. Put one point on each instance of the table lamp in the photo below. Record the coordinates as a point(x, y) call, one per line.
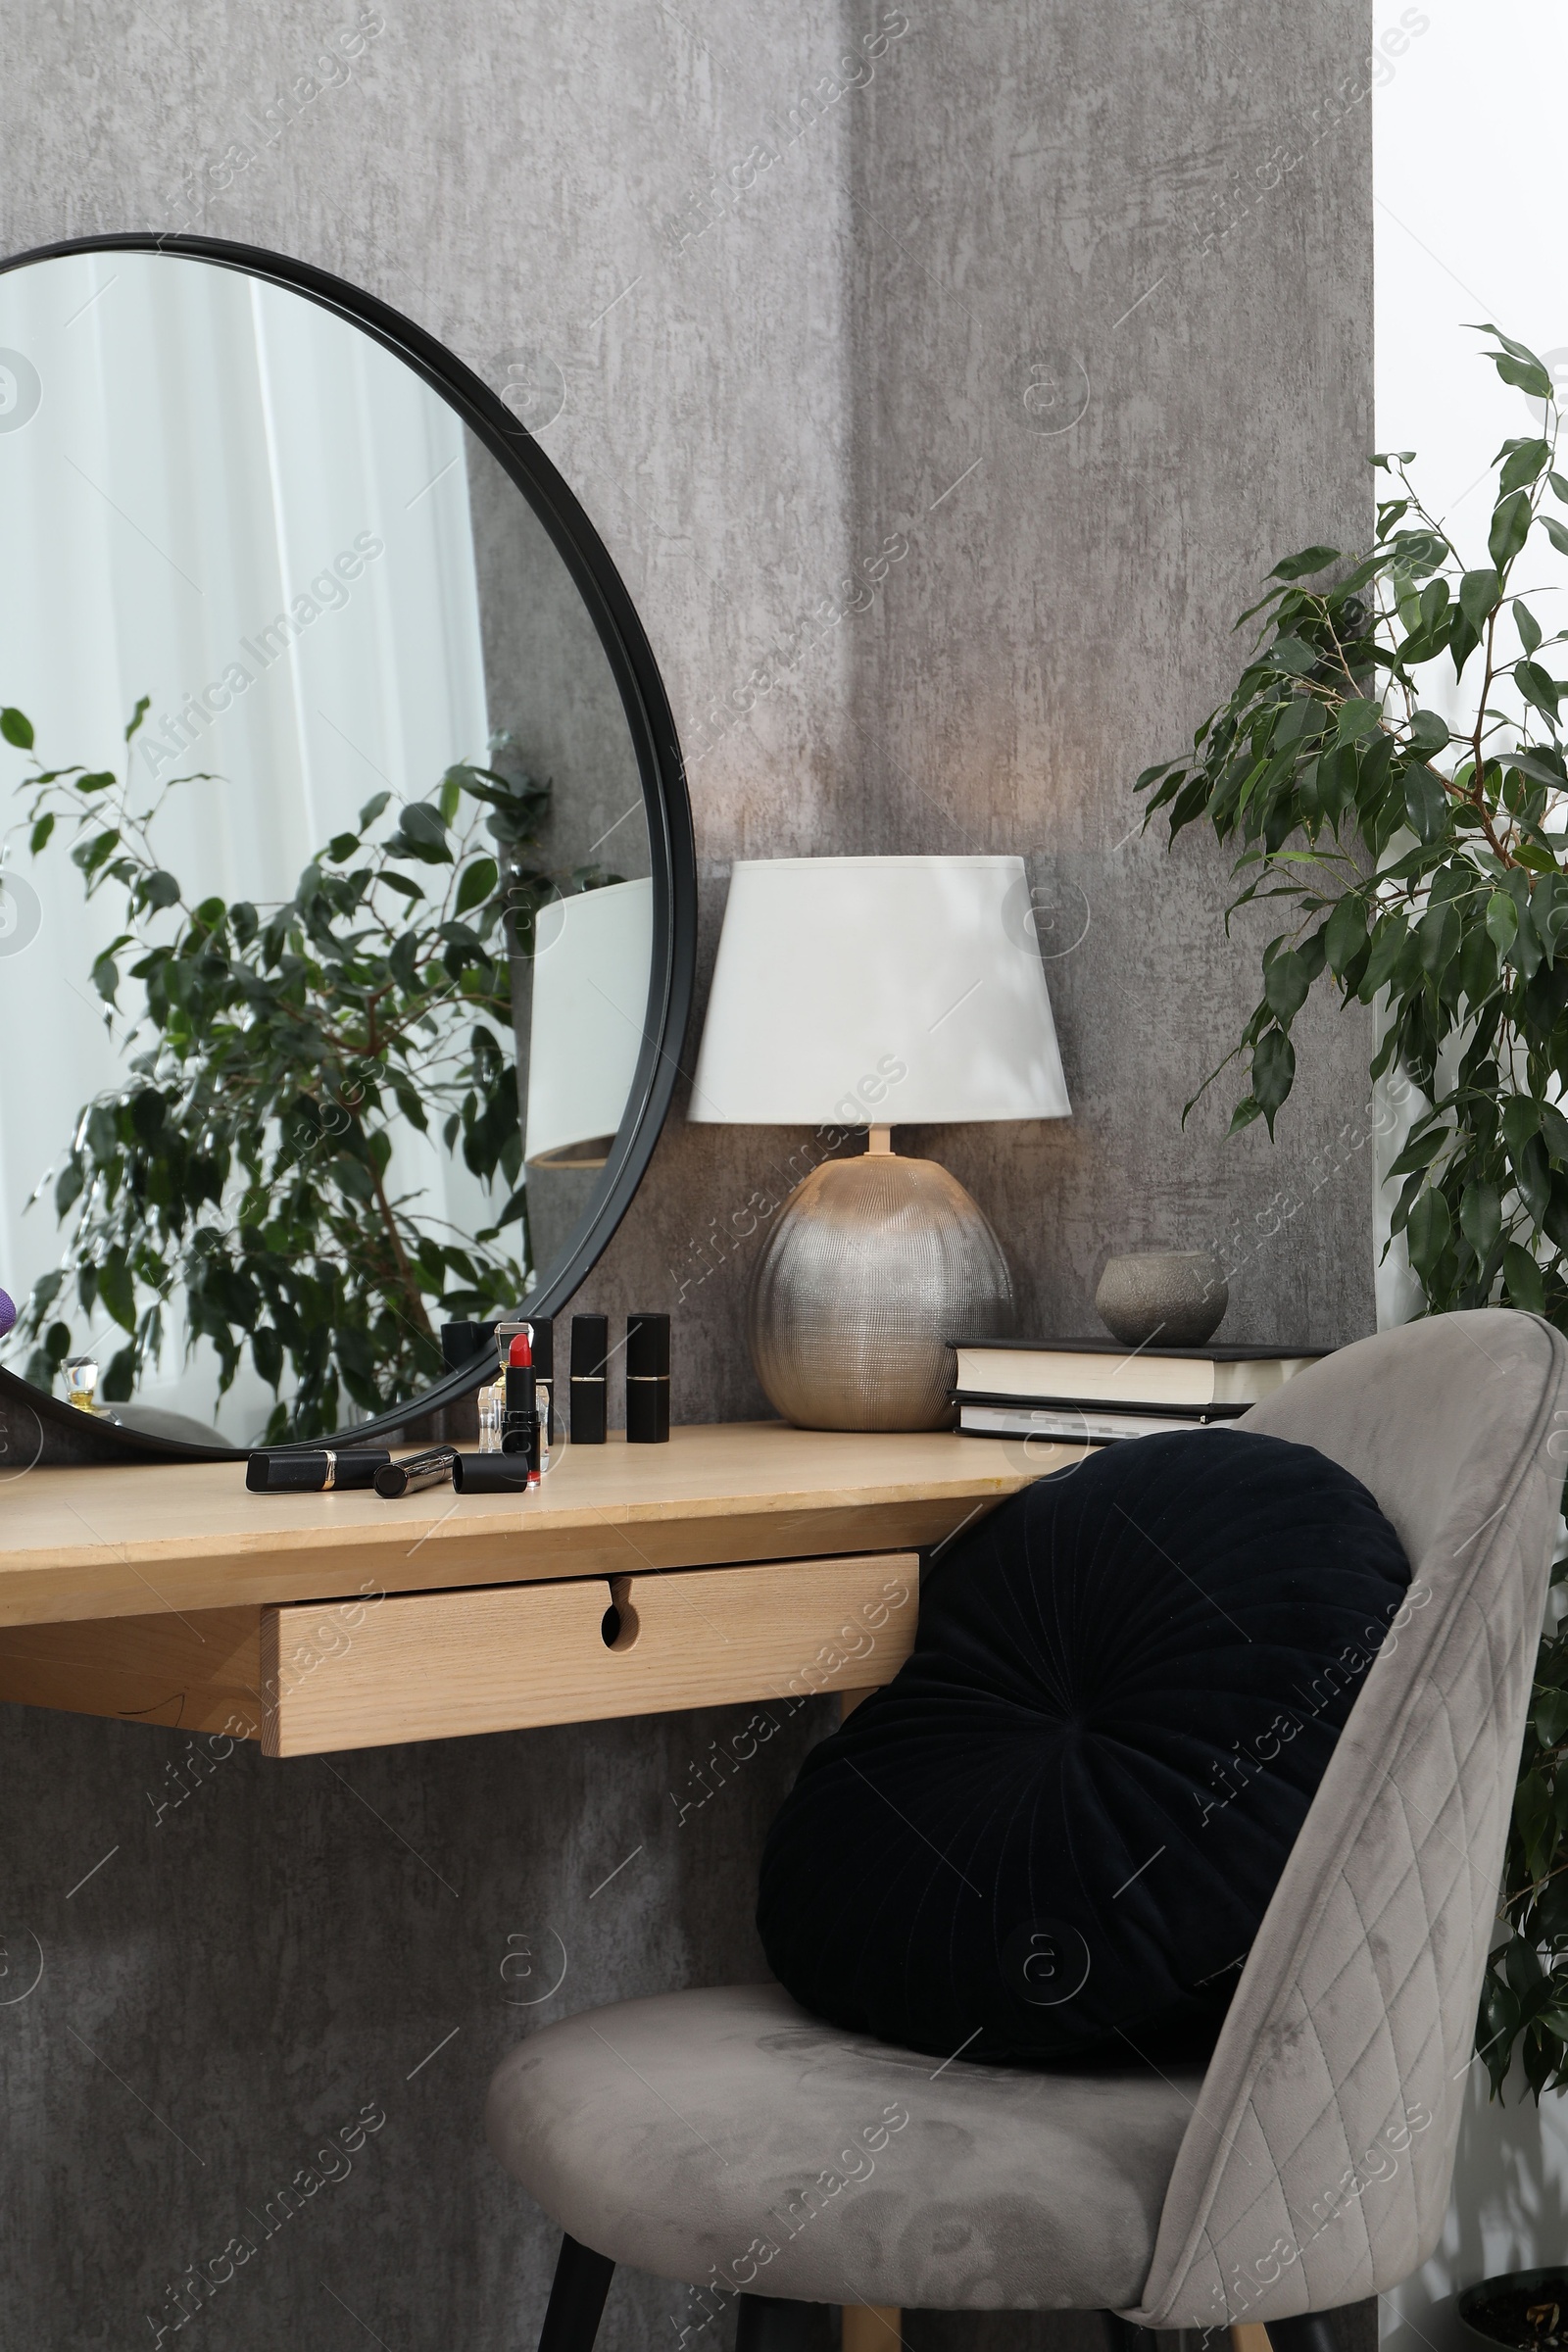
point(585, 1030)
point(862, 991)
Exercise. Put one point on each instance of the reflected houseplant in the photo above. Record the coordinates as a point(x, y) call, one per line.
point(241, 1172)
point(1423, 871)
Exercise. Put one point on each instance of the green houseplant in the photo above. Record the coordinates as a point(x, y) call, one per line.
point(1421, 867)
point(240, 1179)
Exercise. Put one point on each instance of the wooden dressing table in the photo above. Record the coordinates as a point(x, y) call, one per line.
point(737, 1562)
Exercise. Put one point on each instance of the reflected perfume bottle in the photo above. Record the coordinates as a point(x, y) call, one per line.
point(493, 1405)
point(81, 1383)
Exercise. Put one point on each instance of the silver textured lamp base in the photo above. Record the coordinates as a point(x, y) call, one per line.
point(874, 1265)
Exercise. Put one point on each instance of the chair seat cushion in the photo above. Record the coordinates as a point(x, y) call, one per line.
point(728, 2139)
point(1054, 1834)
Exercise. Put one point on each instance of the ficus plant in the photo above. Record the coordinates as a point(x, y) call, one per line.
point(1419, 863)
point(239, 1185)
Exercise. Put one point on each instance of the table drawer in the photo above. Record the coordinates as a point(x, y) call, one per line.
point(439, 1665)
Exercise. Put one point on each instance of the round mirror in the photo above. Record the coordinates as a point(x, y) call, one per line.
point(346, 884)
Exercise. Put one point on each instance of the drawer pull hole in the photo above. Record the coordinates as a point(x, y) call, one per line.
point(621, 1624)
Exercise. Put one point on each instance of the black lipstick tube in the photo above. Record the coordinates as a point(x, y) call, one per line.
point(647, 1380)
point(519, 1430)
point(432, 1468)
point(590, 1381)
point(492, 1474)
point(542, 1336)
point(324, 1471)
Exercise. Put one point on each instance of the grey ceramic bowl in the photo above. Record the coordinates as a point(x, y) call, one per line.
point(1164, 1298)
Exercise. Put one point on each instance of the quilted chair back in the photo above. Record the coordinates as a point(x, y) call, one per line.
point(1316, 2168)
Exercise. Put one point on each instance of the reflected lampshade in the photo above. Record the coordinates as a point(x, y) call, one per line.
point(861, 991)
point(592, 957)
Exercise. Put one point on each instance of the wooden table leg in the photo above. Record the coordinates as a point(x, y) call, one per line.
point(871, 2327)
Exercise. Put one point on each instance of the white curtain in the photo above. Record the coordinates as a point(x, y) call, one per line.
point(229, 500)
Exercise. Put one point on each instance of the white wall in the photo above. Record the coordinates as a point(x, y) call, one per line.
point(1470, 177)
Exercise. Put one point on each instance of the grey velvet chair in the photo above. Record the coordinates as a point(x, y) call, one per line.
point(727, 2140)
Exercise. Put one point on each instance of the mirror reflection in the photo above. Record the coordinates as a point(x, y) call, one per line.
point(325, 918)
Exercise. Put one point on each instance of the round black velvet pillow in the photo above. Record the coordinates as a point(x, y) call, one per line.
point(1054, 1833)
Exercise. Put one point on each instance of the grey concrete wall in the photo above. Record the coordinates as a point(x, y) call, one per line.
point(1076, 305)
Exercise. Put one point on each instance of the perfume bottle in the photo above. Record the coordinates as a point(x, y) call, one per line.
point(81, 1383)
point(492, 1413)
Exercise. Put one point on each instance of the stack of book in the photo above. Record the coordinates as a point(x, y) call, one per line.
point(1092, 1392)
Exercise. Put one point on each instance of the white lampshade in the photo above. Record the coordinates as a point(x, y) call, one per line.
point(590, 1006)
point(893, 991)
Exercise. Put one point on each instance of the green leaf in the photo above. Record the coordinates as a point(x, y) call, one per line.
point(1357, 719)
point(1524, 462)
point(1522, 1280)
point(1296, 658)
point(1437, 935)
point(116, 1289)
point(1310, 560)
point(1528, 375)
point(1344, 934)
point(1555, 1132)
point(1273, 1072)
point(1481, 1217)
point(424, 833)
point(1286, 981)
point(1428, 734)
point(1503, 921)
point(1388, 946)
point(159, 890)
point(16, 728)
point(1511, 526)
point(1537, 688)
point(1479, 592)
point(1520, 1120)
point(1559, 486)
point(1426, 802)
point(1525, 621)
point(1555, 532)
point(38, 838)
point(372, 809)
point(354, 1177)
point(477, 883)
point(1429, 1230)
point(1422, 1150)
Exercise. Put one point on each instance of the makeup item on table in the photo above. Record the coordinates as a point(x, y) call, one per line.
point(519, 1433)
point(542, 1339)
point(432, 1468)
point(494, 1473)
point(647, 1380)
point(590, 1381)
point(322, 1470)
point(81, 1383)
point(492, 1413)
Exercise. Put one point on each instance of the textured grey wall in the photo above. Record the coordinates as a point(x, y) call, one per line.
point(1050, 329)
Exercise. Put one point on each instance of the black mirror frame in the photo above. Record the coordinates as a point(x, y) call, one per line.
point(64, 1433)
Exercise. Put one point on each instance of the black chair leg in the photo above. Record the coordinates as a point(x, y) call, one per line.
point(1309, 2332)
point(576, 2298)
point(1125, 2337)
point(770, 2324)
